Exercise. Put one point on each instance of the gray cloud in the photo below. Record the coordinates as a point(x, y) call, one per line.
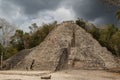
point(32, 7)
point(19, 11)
point(92, 10)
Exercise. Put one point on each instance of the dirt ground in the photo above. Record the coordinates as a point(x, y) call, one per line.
point(62, 75)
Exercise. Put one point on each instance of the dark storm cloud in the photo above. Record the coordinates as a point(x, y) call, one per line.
point(31, 7)
point(92, 10)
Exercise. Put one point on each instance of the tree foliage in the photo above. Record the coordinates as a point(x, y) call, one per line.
point(80, 22)
point(106, 33)
point(115, 43)
point(118, 14)
point(10, 51)
point(17, 40)
point(40, 34)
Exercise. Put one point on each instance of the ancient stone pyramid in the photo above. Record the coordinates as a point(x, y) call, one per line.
point(68, 46)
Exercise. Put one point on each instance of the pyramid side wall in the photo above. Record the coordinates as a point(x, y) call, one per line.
point(90, 50)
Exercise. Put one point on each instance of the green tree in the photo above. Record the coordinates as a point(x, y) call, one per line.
point(10, 52)
point(33, 28)
point(1, 48)
point(17, 40)
point(39, 36)
point(115, 43)
point(106, 33)
point(80, 22)
point(95, 32)
point(26, 40)
point(118, 15)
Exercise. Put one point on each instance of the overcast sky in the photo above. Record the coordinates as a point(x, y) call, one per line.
point(24, 12)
